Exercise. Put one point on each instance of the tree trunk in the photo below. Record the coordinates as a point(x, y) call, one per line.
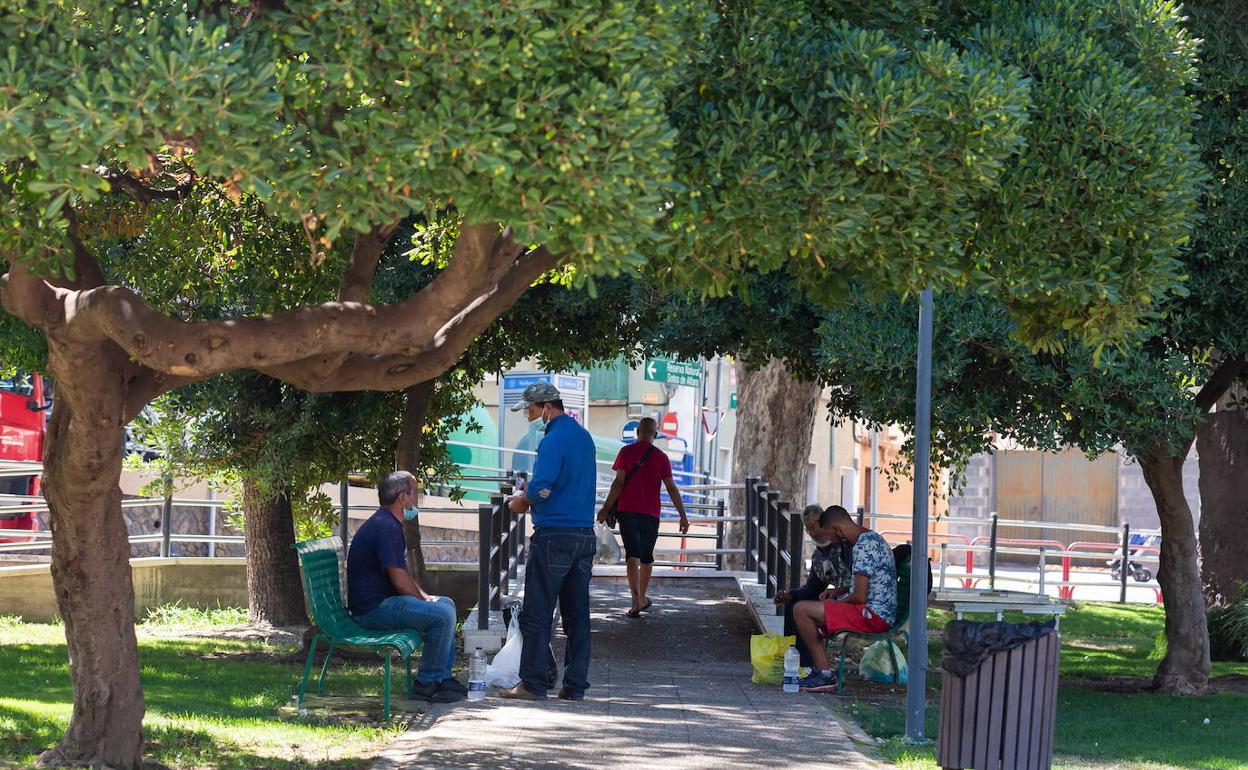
point(1185, 668)
point(775, 420)
point(407, 458)
point(1222, 446)
point(91, 559)
point(274, 587)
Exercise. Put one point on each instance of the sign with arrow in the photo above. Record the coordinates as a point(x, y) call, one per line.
point(687, 373)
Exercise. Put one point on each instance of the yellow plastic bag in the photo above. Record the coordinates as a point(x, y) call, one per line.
point(767, 657)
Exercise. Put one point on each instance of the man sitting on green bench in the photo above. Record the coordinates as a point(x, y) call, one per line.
point(869, 607)
point(381, 595)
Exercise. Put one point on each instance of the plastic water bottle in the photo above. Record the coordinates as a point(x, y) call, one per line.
point(476, 676)
point(790, 669)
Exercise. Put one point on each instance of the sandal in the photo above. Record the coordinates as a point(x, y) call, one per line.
point(633, 614)
point(646, 606)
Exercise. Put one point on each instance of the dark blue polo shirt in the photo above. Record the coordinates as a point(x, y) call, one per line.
point(377, 545)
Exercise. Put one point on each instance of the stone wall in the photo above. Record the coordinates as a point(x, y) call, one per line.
point(26, 590)
point(203, 583)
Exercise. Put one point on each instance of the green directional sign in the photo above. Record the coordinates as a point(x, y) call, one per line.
point(687, 373)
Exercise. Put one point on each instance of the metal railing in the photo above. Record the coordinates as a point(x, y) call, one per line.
point(1044, 552)
point(773, 536)
point(501, 551)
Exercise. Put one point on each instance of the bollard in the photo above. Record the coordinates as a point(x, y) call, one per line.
point(166, 521)
point(1043, 564)
point(719, 535)
point(485, 513)
point(796, 562)
point(772, 542)
point(344, 504)
point(760, 546)
point(498, 509)
point(758, 551)
point(1122, 569)
point(992, 553)
point(522, 548)
point(751, 498)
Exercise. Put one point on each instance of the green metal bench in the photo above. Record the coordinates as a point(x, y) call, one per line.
point(321, 562)
point(896, 629)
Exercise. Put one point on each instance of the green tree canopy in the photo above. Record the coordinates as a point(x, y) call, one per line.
point(897, 144)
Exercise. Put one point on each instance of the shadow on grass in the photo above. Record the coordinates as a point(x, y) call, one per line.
point(27, 735)
point(201, 712)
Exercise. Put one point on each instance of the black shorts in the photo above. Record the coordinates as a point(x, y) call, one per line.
point(639, 533)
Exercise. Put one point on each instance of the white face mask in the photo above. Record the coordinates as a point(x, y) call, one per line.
point(823, 543)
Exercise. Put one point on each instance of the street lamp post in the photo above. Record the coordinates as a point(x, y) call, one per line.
point(916, 687)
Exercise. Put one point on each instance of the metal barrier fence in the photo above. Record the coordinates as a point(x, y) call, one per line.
point(1043, 552)
point(501, 551)
point(772, 548)
point(773, 539)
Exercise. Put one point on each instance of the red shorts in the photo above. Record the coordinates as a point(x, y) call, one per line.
point(841, 616)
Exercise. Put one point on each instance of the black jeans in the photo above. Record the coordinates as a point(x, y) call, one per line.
point(558, 569)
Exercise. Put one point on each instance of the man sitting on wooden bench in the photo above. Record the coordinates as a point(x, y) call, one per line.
point(869, 607)
point(381, 595)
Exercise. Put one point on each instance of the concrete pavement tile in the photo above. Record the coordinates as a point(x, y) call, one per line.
point(676, 696)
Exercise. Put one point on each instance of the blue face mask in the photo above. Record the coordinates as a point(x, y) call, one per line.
point(411, 513)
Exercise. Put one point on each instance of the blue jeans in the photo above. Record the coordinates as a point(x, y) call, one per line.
point(558, 568)
point(435, 620)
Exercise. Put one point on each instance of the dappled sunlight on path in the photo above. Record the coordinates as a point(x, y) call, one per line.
point(670, 689)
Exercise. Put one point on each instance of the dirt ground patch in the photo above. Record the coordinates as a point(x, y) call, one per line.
point(1228, 683)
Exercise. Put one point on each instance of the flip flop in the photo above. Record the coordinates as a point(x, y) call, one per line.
point(646, 606)
point(633, 614)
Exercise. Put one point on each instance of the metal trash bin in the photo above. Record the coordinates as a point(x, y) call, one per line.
point(998, 702)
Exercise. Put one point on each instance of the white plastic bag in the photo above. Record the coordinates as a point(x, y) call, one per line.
point(877, 665)
point(608, 549)
point(504, 670)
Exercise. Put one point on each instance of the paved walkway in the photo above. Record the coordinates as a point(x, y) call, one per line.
point(671, 689)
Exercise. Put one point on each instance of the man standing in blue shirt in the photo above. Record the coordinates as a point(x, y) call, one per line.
point(561, 550)
point(381, 595)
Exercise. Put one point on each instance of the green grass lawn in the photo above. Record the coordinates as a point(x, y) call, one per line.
point(206, 705)
point(1097, 729)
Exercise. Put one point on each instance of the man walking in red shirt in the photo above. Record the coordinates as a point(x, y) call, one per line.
point(639, 470)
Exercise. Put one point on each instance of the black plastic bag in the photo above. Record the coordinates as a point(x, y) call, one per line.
point(967, 644)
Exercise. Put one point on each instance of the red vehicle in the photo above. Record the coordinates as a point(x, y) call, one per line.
point(24, 402)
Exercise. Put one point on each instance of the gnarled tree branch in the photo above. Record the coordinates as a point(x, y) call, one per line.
point(30, 297)
point(120, 181)
point(397, 371)
point(1219, 382)
point(357, 279)
point(144, 385)
point(490, 276)
point(87, 272)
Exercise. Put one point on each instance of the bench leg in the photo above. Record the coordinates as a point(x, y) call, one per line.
point(307, 670)
point(408, 690)
point(840, 667)
point(386, 654)
point(320, 685)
